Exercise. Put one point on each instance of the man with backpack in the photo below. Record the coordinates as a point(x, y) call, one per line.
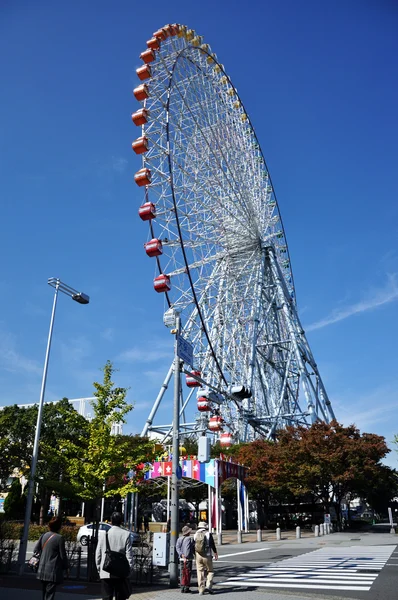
point(205, 549)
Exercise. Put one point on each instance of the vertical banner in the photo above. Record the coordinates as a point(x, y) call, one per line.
point(242, 504)
point(209, 507)
point(238, 505)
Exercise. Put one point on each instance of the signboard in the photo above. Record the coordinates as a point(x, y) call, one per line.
point(327, 518)
point(1, 505)
point(185, 350)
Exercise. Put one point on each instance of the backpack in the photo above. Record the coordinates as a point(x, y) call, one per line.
point(201, 543)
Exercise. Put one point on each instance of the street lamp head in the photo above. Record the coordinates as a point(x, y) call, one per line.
point(81, 298)
point(69, 291)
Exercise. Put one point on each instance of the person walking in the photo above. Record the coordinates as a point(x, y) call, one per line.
point(205, 549)
point(119, 541)
point(185, 548)
point(53, 558)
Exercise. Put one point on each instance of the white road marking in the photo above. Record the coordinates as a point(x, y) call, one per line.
point(247, 562)
point(351, 569)
point(246, 552)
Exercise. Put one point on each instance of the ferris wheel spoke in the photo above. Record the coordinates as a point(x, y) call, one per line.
point(189, 182)
point(232, 182)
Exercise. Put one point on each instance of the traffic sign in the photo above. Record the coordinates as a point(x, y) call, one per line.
point(185, 350)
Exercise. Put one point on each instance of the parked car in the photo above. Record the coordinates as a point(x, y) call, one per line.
point(86, 531)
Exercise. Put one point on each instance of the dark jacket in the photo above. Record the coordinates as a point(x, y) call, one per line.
point(53, 559)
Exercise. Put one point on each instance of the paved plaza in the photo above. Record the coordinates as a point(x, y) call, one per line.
point(253, 572)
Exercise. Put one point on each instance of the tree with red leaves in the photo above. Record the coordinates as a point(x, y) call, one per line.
point(327, 461)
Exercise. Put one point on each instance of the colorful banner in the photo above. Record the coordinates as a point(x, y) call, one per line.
point(205, 472)
point(227, 469)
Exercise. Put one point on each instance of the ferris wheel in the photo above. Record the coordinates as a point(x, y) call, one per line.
point(218, 247)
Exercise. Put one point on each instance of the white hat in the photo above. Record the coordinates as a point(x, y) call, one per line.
point(202, 525)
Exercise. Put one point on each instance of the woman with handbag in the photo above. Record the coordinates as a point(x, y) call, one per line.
point(114, 560)
point(53, 558)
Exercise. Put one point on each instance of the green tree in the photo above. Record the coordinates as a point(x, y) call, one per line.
point(14, 503)
point(382, 491)
point(17, 427)
point(63, 434)
point(105, 459)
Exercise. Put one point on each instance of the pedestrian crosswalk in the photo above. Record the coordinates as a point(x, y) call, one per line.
point(354, 568)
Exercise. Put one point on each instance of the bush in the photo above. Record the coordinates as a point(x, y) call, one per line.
point(14, 531)
point(69, 532)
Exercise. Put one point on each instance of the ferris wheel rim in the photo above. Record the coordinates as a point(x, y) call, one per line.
point(170, 72)
point(160, 270)
point(188, 270)
point(205, 161)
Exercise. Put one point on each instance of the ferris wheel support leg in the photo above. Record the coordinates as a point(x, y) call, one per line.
point(285, 304)
point(256, 322)
point(167, 434)
point(325, 398)
point(155, 407)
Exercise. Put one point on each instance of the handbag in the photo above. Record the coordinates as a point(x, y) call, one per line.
point(34, 561)
point(115, 563)
point(185, 575)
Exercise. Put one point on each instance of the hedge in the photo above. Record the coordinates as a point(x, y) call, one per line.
point(13, 531)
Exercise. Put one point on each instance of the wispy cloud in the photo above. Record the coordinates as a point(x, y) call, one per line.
point(155, 350)
point(76, 349)
point(118, 164)
point(108, 334)
point(378, 297)
point(372, 411)
point(34, 309)
point(13, 361)
point(155, 376)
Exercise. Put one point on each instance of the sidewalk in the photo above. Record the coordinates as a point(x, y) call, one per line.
point(28, 588)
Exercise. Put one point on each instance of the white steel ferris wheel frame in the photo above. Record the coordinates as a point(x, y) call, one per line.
point(223, 247)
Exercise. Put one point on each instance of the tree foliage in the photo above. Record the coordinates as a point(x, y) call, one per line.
point(76, 456)
point(105, 458)
point(327, 462)
point(14, 504)
point(17, 426)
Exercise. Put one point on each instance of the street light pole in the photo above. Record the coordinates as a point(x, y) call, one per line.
point(174, 513)
point(81, 299)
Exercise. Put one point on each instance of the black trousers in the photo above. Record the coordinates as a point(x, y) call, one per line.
point(48, 590)
point(117, 588)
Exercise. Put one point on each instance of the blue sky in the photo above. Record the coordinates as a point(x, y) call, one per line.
point(319, 83)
